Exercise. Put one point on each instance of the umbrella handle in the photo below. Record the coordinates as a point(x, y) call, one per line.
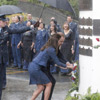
point(37, 23)
point(42, 11)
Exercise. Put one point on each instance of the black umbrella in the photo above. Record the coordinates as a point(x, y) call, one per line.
point(9, 9)
point(60, 4)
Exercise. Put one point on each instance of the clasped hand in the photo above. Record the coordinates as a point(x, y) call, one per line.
point(69, 65)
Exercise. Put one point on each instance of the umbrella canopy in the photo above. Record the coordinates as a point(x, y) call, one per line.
point(9, 9)
point(60, 4)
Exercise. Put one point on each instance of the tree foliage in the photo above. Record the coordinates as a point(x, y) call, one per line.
point(75, 5)
point(8, 2)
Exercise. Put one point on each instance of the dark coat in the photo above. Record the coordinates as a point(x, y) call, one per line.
point(41, 39)
point(4, 37)
point(27, 39)
point(67, 45)
point(73, 27)
point(16, 37)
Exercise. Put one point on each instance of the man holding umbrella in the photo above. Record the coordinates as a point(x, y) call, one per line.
point(4, 37)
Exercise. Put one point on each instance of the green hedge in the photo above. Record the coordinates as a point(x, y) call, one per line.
point(8, 2)
point(87, 96)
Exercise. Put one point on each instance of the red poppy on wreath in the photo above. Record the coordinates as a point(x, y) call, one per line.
point(75, 66)
point(98, 39)
point(73, 79)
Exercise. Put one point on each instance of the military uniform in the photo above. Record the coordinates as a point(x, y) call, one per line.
point(4, 37)
point(3, 55)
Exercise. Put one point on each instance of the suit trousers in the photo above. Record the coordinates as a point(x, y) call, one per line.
point(16, 55)
point(53, 81)
point(1, 80)
point(2, 76)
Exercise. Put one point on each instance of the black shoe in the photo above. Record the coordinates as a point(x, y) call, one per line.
point(19, 68)
point(4, 87)
point(63, 74)
point(13, 66)
point(54, 72)
point(25, 69)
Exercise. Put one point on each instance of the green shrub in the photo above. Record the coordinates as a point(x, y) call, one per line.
point(8, 2)
point(87, 96)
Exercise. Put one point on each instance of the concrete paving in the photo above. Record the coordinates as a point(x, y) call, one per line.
point(18, 87)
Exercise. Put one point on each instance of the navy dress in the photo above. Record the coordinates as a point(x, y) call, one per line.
point(41, 38)
point(37, 76)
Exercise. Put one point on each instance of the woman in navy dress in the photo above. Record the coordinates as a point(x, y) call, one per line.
point(41, 37)
point(37, 76)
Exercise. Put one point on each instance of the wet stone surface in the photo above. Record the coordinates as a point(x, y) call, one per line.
point(18, 87)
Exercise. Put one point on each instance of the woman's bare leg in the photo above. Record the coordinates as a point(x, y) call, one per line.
point(47, 91)
point(39, 89)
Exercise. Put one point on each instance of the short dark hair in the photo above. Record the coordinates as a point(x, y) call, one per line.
point(55, 22)
point(30, 21)
point(18, 18)
point(43, 24)
point(70, 16)
point(52, 42)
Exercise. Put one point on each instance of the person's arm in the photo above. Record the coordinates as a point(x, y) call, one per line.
point(60, 67)
point(34, 35)
point(47, 36)
point(18, 30)
point(68, 65)
point(19, 44)
point(74, 33)
point(32, 45)
point(5, 38)
point(52, 53)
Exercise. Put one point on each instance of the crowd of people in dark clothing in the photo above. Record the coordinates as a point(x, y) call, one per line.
point(24, 46)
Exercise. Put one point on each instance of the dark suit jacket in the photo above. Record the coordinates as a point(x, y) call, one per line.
point(73, 27)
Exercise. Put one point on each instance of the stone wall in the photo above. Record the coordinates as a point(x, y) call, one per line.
point(36, 10)
point(89, 46)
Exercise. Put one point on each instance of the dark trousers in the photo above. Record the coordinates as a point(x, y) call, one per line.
point(2, 76)
point(53, 81)
point(10, 56)
point(16, 55)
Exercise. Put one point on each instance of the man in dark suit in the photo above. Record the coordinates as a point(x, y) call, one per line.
point(14, 42)
point(47, 70)
point(4, 37)
point(73, 27)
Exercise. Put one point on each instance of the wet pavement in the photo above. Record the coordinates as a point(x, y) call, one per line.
point(18, 87)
